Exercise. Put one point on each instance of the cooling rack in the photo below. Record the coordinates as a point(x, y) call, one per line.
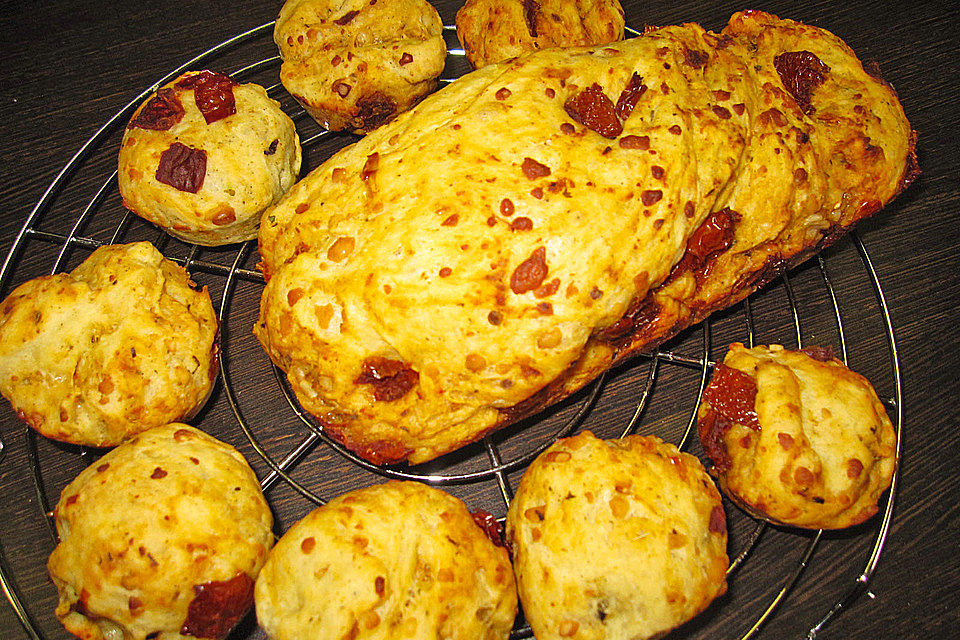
point(301, 467)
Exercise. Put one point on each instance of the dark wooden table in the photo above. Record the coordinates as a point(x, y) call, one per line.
point(69, 66)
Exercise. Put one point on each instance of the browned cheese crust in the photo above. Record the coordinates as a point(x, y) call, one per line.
point(541, 219)
point(616, 539)
point(495, 30)
point(393, 561)
point(356, 64)
point(161, 539)
point(123, 343)
point(796, 437)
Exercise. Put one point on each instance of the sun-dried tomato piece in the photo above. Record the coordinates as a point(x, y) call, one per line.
point(641, 312)
point(822, 354)
point(346, 18)
point(801, 72)
point(375, 109)
point(530, 273)
point(182, 167)
point(490, 526)
point(629, 97)
point(533, 169)
point(594, 110)
point(213, 93)
point(733, 395)
point(218, 606)
point(714, 236)
point(530, 10)
point(695, 58)
point(711, 427)
point(718, 520)
point(160, 113)
point(391, 379)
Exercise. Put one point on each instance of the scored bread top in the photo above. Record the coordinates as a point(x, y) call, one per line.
point(537, 220)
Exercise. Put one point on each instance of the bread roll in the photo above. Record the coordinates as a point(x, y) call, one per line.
point(796, 437)
point(123, 343)
point(204, 156)
point(616, 539)
point(161, 538)
point(356, 64)
point(394, 561)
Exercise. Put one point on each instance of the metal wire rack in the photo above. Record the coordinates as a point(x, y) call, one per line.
point(655, 393)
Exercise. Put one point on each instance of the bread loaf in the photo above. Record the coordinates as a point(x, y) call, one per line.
point(796, 437)
point(525, 228)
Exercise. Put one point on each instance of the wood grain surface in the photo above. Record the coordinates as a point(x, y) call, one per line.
point(69, 66)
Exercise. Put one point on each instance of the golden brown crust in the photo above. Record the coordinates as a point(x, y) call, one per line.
point(616, 539)
point(393, 561)
point(819, 448)
point(355, 65)
point(858, 115)
point(121, 344)
point(249, 151)
point(662, 178)
point(495, 30)
point(152, 525)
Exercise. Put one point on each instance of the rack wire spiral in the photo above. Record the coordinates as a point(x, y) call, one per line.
point(675, 374)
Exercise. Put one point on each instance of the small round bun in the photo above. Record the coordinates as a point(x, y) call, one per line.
point(204, 156)
point(356, 64)
point(161, 538)
point(394, 561)
point(616, 539)
point(495, 30)
point(121, 344)
point(797, 438)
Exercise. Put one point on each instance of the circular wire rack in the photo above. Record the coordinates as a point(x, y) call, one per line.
point(655, 393)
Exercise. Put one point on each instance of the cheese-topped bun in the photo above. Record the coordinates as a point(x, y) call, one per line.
point(161, 538)
point(204, 156)
point(399, 561)
point(355, 64)
point(122, 343)
point(495, 30)
point(796, 437)
point(616, 539)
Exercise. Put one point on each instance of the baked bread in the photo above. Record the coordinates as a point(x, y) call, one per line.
point(517, 233)
point(495, 30)
point(394, 561)
point(355, 64)
point(616, 539)
point(796, 437)
point(122, 343)
point(160, 538)
point(204, 156)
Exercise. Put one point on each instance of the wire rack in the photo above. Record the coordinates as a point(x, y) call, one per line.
point(654, 393)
